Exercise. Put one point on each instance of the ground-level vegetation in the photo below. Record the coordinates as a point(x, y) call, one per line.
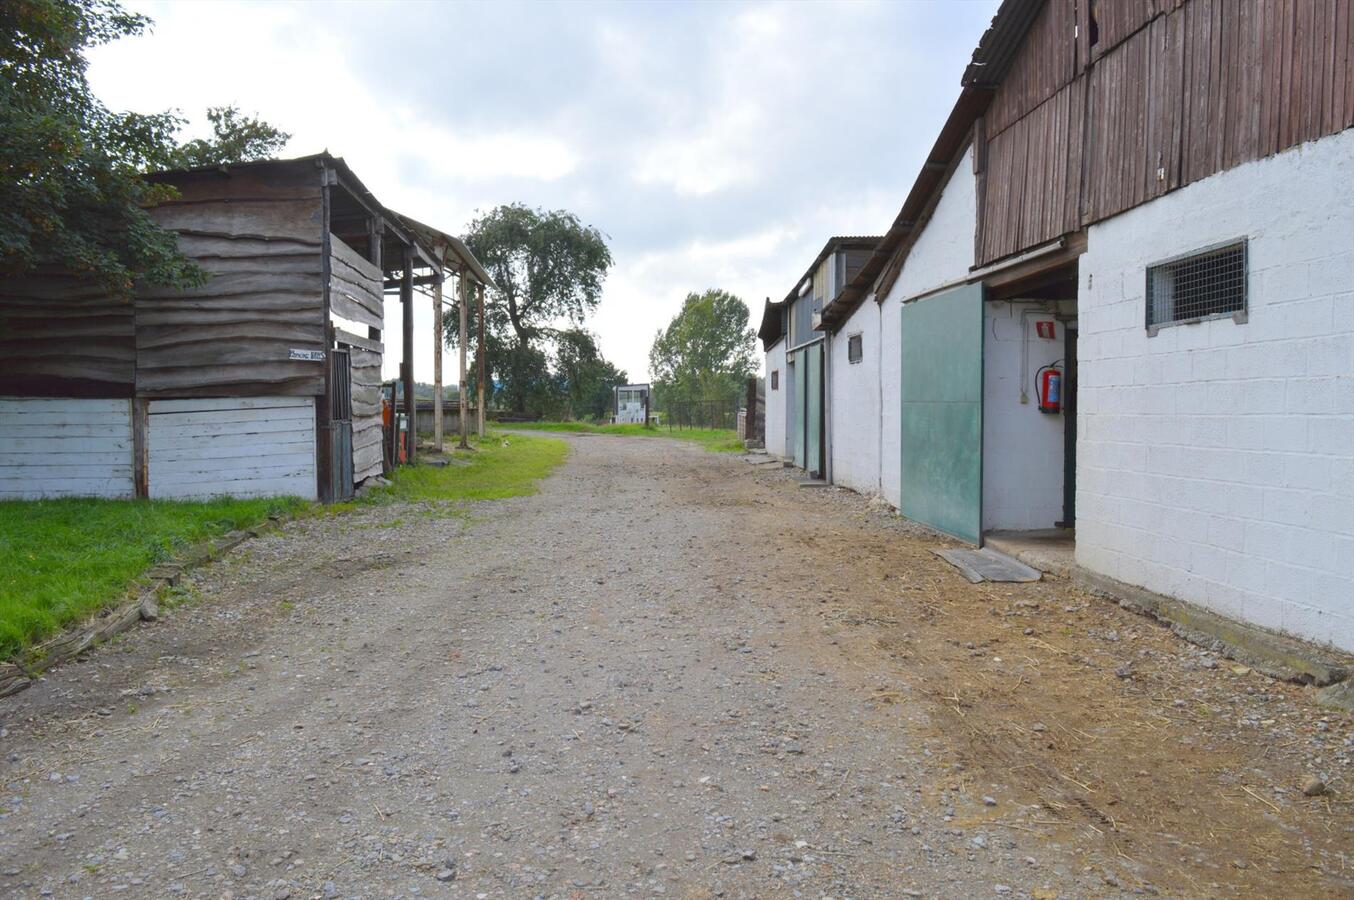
point(719, 440)
point(500, 466)
point(61, 560)
point(64, 560)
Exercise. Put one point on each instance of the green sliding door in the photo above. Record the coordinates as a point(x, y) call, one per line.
point(942, 411)
point(796, 419)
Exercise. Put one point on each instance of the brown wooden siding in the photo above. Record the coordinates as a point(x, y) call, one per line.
point(63, 337)
point(1030, 177)
point(264, 296)
point(356, 292)
point(1045, 64)
point(1176, 90)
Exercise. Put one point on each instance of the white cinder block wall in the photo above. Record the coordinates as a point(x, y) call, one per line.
point(854, 406)
point(1022, 447)
point(942, 254)
point(1216, 460)
point(775, 401)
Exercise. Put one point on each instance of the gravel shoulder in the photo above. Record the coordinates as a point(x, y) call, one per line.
point(669, 672)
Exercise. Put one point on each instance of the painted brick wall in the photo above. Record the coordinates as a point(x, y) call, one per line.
point(775, 401)
point(1216, 460)
point(854, 404)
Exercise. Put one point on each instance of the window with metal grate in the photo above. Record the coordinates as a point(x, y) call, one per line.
point(855, 348)
point(1203, 285)
point(775, 379)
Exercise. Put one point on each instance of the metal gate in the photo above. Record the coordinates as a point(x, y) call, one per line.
point(942, 411)
point(341, 425)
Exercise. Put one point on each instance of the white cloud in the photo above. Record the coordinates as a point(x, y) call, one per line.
point(718, 145)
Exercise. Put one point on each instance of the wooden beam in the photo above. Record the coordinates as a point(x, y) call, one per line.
point(394, 284)
point(365, 343)
point(324, 438)
point(140, 455)
point(437, 367)
point(479, 363)
point(464, 338)
point(407, 357)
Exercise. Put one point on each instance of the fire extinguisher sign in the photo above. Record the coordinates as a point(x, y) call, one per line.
point(1047, 330)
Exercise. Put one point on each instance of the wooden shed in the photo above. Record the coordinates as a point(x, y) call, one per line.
point(265, 380)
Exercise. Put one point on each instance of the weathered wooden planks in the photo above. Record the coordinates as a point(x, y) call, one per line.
point(62, 447)
point(241, 447)
point(1031, 184)
point(61, 336)
point(264, 298)
point(1177, 90)
point(355, 286)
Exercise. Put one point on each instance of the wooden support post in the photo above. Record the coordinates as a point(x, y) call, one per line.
point(407, 359)
point(324, 433)
point(750, 419)
point(140, 453)
point(462, 302)
point(437, 366)
point(479, 364)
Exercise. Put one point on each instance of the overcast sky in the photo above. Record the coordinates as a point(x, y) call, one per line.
point(715, 144)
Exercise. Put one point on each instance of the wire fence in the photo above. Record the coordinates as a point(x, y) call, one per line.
point(682, 414)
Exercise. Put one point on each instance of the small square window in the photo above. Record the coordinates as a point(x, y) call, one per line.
point(775, 379)
point(855, 348)
point(1203, 285)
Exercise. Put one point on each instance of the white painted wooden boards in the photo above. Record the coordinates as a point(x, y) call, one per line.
point(240, 446)
point(60, 447)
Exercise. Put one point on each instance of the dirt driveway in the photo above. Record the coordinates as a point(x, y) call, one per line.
point(670, 672)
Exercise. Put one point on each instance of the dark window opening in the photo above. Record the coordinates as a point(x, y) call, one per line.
point(1200, 286)
point(775, 379)
point(855, 348)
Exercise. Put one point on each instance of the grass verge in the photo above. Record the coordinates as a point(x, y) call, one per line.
point(61, 560)
point(718, 440)
point(502, 465)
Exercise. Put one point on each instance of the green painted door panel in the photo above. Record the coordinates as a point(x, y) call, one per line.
point(813, 456)
point(942, 411)
point(797, 411)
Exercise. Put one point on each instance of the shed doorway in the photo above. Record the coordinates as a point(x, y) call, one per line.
point(1029, 424)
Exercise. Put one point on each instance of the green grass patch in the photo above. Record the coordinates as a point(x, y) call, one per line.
point(719, 440)
point(61, 560)
point(502, 465)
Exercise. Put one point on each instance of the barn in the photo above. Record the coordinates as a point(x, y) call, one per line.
point(266, 380)
point(1154, 203)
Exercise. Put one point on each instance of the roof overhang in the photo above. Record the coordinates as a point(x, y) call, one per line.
point(455, 254)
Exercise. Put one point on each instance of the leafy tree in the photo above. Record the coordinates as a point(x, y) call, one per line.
point(548, 267)
point(71, 193)
point(235, 138)
point(706, 352)
point(587, 377)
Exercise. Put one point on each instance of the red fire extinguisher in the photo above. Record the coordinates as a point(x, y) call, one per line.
point(1049, 385)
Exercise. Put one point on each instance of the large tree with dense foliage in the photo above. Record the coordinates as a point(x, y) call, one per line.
point(587, 377)
point(706, 352)
point(72, 195)
point(548, 268)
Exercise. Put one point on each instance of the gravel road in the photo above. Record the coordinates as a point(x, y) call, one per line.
point(669, 672)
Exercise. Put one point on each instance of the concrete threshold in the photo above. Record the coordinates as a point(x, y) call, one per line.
point(1048, 550)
